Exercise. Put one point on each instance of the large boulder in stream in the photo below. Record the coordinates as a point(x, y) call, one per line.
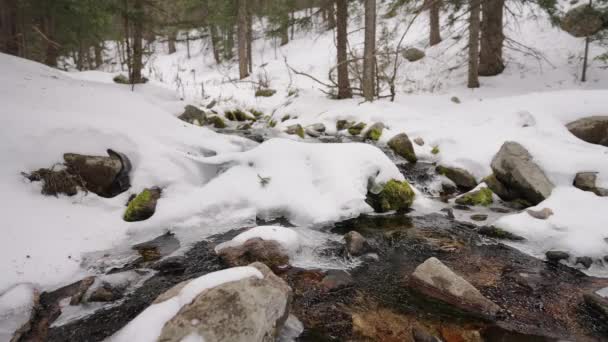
point(105, 176)
point(592, 129)
point(516, 170)
point(246, 310)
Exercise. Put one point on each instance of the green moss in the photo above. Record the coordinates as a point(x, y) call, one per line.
point(395, 195)
point(285, 117)
point(265, 92)
point(121, 79)
point(356, 129)
point(256, 113)
point(272, 123)
point(237, 115)
point(216, 121)
point(435, 150)
point(374, 133)
point(292, 92)
point(137, 205)
point(482, 197)
point(300, 131)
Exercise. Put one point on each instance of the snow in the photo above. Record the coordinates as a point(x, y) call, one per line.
point(148, 325)
point(286, 237)
point(15, 308)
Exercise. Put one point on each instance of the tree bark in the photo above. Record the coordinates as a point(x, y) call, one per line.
point(138, 30)
point(249, 37)
point(435, 35)
point(331, 14)
point(475, 9)
point(171, 38)
point(492, 38)
point(344, 90)
point(284, 28)
point(242, 38)
point(8, 27)
point(369, 51)
point(98, 49)
point(215, 43)
point(52, 50)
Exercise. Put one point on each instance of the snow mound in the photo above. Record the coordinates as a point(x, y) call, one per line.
point(286, 237)
point(15, 308)
point(148, 325)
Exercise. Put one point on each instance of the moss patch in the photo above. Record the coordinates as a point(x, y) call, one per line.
point(256, 113)
point(142, 206)
point(482, 197)
point(375, 132)
point(121, 79)
point(395, 195)
point(216, 121)
point(435, 150)
point(356, 129)
point(237, 115)
point(498, 233)
point(265, 92)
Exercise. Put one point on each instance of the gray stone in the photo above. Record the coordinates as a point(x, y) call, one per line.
point(419, 141)
point(336, 279)
point(105, 176)
point(356, 244)
point(593, 129)
point(318, 127)
point(268, 252)
point(413, 54)
point(500, 189)
point(462, 178)
point(357, 128)
point(514, 167)
point(193, 115)
point(402, 146)
point(585, 261)
point(344, 124)
point(295, 130)
point(312, 133)
point(542, 214)
point(434, 279)
point(586, 181)
point(479, 217)
point(556, 256)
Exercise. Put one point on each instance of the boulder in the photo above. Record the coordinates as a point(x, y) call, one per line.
point(542, 214)
point(143, 206)
point(514, 167)
point(464, 180)
point(413, 54)
point(295, 130)
point(585, 261)
point(582, 21)
point(375, 131)
point(586, 181)
point(481, 197)
point(593, 129)
point(394, 195)
point(238, 115)
point(268, 252)
point(357, 128)
point(105, 176)
point(402, 146)
point(356, 244)
point(106, 293)
point(500, 189)
point(479, 217)
point(247, 310)
point(344, 124)
point(193, 115)
point(435, 280)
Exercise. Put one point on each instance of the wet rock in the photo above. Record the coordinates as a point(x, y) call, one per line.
point(479, 217)
point(268, 252)
point(105, 176)
point(481, 197)
point(582, 21)
point(402, 146)
point(357, 128)
point(448, 187)
point(285, 117)
point(413, 54)
point(435, 280)
point(593, 129)
point(312, 133)
point(106, 293)
point(193, 115)
point(265, 92)
point(171, 265)
point(500, 189)
point(375, 131)
point(419, 141)
point(422, 335)
point(295, 130)
point(143, 206)
point(449, 212)
point(514, 167)
point(498, 233)
point(542, 214)
point(356, 244)
point(249, 309)
point(461, 177)
point(344, 124)
point(462, 207)
point(597, 303)
point(585, 261)
point(157, 248)
point(586, 181)
point(394, 195)
point(556, 256)
point(216, 121)
point(335, 280)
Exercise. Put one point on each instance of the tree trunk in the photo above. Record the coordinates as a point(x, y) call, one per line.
point(369, 52)
point(490, 55)
point(473, 81)
point(138, 30)
point(52, 50)
point(171, 38)
point(344, 90)
point(8, 27)
point(331, 15)
point(242, 38)
point(249, 37)
point(435, 35)
point(284, 28)
point(228, 42)
point(98, 48)
point(215, 43)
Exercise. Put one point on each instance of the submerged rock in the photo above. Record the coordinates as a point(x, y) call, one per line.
point(514, 167)
point(585, 261)
point(463, 179)
point(268, 252)
point(481, 197)
point(357, 128)
point(193, 115)
point(143, 206)
point(394, 195)
point(356, 244)
point(435, 280)
point(105, 176)
point(593, 129)
point(402, 146)
point(375, 131)
point(479, 217)
point(247, 310)
point(335, 280)
point(586, 181)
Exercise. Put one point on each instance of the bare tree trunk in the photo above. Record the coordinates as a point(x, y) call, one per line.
point(52, 50)
point(188, 44)
point(344, 90)
point(8, 27)
point(138, 30)
point(98, 49)
point(249, 37)
point(242, 38)
point(475, 9)
point(215, 43)
point(435, 35)
point(228, 44)
point(369, 53)
point(285, 29)
point(331, 14)
point(171, 38)
point(492, 38)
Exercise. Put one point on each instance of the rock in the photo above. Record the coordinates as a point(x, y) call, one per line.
point(295, 129)
point(318, 127)
point(247, 310)
point(394, 195)
point(268, 252)
point(500, 189)
point(143, 206)
point(462, 207)
point(419, 141)
point(106, 293)
point(238, 115)
point(598, 303)
point(375, 131)
point(434, 279)
point(420, 335)
point(121, 79)
point(413, 54)
point(542, 214)
point(593, 129)
point(498, 233)
point(80, 289)
point(500, 210)
point(402, 146)
point(461, 177)
point(265, 92)
point(312, 133)
point(585, 261)
point(344, 124)
point(357, 128)
point(556, 256)
point(335, 280)
point(158, 247)
point(193, 115)
point(244, 127)
point(285, 117)
point(586, 181)
point(455, 99)
point(449, 212)
point(479, 217)
point(448, 187)
point(216, 121)
point(582, 21)
point(481, 197)
point(105, 176)
point(514, 167)
point(171, 265)
point(356, 244)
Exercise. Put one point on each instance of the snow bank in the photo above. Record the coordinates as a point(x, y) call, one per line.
point(15, 308)
point(286, 237)
point(148, 325)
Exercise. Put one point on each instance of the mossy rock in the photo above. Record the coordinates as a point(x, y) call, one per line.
point(344, 124)
point(395, 195)
point(216, 121)
point(193, 115)
point(481, 197)
point(296, 129)
point(375, 131)
point(142, 206)
point(463, 179)
point(357, 129)
point(237, 115)
point(285, 117)
point(121, 79)
point(272, 123)
point(256, 113)
point(265, 92)
point(435, 150)
point(402, 146)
